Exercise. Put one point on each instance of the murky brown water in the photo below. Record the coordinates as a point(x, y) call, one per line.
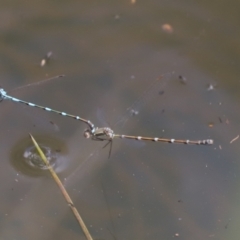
point(110, 54)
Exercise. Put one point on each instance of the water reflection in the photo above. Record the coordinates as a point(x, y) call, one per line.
point(25, 158)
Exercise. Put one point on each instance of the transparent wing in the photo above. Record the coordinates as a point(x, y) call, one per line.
point(37, 83)
point(155, 89)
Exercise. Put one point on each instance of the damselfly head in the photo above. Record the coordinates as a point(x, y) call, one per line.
point(87, 133)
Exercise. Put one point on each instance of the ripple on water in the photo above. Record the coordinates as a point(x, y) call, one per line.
point(25, 158)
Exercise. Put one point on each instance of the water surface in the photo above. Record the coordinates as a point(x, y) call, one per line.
point(111, 53)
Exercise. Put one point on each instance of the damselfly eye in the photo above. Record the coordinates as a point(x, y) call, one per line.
point(87, 134)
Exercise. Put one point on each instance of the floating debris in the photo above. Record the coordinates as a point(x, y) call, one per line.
point(182, 79)
point(211, 124)
point(167, 28)
point(211, 87)
point(234, 139)
point(46, 59)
